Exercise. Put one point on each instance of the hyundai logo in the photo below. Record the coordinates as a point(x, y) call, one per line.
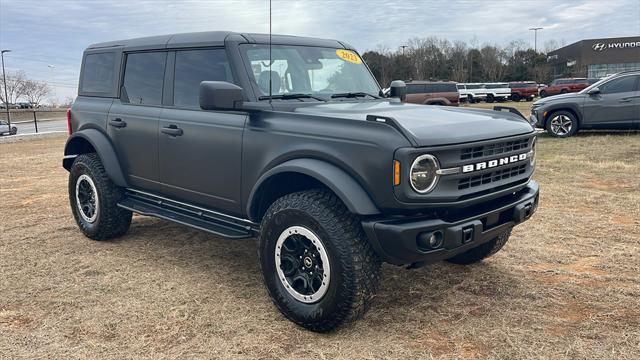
point(598, 47)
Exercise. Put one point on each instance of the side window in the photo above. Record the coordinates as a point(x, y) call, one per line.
point(98, 73)
point(429, 88)
point(193, 67)
point(620, 85)
point(144, 78)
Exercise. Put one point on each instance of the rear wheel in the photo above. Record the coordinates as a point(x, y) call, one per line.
point(515, 97)
point(562, 124)
point(483, 251)
point(564, 91)
point(543, 93)
point(490, 98)
point(13, 131)
point(94, 197)
point(317, 265)
point(470, 99)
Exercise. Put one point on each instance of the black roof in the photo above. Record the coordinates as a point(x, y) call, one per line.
point(213, 38)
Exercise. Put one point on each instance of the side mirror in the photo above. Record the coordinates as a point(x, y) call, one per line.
point(220, 95)
point(594, 91)
point(398, 89)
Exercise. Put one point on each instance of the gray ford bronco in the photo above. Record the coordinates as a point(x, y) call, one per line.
point(292, 142)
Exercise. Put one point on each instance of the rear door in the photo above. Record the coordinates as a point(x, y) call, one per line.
point(615, 106)
point(200, 151)
point(133, 119)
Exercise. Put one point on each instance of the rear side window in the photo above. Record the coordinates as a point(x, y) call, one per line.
point(144, 78)
point(415, 89)
point(98, 73)
point(193, 67)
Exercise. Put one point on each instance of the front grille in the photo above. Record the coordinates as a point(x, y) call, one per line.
point(493, 149)
point(487, 178)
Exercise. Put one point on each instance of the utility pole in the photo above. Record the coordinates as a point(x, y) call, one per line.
point(403, 47)
point(535, 37)
point(4, 81)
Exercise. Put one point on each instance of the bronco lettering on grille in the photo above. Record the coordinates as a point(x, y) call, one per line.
point(493, 163)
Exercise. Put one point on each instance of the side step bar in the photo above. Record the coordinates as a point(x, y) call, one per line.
point(196, 217)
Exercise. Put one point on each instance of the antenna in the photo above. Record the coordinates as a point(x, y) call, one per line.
point(270, 60)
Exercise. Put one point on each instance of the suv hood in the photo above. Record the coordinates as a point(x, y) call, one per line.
point(558, 97)
point(429, 125)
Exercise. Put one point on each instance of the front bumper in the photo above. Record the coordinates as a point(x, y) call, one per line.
point(395, 239)
point(535, 121)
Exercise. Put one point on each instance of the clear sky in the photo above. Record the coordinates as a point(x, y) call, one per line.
point(55, 32)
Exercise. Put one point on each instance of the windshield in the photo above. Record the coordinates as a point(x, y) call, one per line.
point(316, 71)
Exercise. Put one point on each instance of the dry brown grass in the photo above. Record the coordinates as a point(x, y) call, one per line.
point(566, 286)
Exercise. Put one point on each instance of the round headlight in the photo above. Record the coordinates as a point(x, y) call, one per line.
point(532, 153)
point(423, 173)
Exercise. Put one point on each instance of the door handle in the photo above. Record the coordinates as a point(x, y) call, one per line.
point(172, 130)
point(117, 123)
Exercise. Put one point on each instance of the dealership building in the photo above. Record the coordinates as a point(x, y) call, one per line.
point(596, 58)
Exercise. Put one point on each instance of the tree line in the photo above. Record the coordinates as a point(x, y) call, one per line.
point(21, 87)
point(440, 59)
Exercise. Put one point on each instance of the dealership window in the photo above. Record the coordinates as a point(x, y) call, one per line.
point(602, 70)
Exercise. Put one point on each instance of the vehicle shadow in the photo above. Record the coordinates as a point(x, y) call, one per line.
point(442, 289)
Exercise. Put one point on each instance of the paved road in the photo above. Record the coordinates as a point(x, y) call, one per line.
point(59, 124)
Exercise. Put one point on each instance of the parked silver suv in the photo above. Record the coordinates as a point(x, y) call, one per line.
point(611, 103)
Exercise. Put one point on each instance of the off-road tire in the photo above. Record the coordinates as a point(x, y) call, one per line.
point(355, 268)
point(111, 221)
point(568, 114)
point(483, 251)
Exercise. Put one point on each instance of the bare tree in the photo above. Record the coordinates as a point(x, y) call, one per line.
point(35, 91)
point(15, 86)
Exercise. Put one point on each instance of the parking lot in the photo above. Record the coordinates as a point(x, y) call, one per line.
point(565, 286)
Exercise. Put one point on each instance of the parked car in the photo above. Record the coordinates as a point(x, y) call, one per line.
point(471, 92)
point(432, 93)
point(286, 138)
point(11, 106)
point(563, 86)
point(24, 105)
point(611, 103)
point(6, 130)
point(497, 92)
point(523, 90)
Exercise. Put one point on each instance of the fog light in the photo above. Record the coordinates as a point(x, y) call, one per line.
point(429, 240)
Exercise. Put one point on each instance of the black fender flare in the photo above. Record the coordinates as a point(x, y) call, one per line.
point(103, 147)
point(337, 180)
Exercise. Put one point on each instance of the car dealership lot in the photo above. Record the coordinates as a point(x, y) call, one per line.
point(566, 285)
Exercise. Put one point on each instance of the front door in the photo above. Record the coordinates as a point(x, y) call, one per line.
point(133, 119)
point(615, 106)
point(200, 151)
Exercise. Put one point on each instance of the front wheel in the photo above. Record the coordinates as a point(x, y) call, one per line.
point(562, 124)
point(483, 251)
point(490, 98)
point(94, 200)
point(13, 131)
point(317, 265)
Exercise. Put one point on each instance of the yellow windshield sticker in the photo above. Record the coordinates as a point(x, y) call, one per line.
point(349, 56)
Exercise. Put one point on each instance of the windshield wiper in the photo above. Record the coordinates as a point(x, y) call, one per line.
point(353, 95)
point(291, 96)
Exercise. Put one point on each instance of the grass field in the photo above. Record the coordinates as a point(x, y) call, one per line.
point(565, 286)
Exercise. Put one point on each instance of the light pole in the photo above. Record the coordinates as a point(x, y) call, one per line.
point(4, 81)
point(403, 47)
point(535, 37)
point(53, 80)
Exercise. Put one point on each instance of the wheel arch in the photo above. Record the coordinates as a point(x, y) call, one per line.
point(303, 174)
point(92, 140)
point(570, 109)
